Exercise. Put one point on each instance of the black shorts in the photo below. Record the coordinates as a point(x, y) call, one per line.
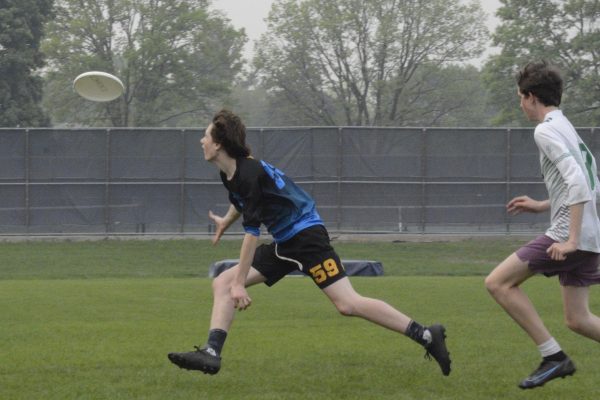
point(308, 251)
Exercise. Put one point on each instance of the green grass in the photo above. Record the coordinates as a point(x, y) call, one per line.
point(66, 336)
point(192, 258)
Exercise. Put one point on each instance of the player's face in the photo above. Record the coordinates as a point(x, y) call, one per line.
point(209, 146)
point(527, 105)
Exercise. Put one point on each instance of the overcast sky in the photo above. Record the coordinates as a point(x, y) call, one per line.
point(250, 15)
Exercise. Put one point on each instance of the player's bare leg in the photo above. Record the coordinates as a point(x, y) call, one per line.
point(578, 316)
point(208, 358)
point(503, 284)
point(223, 310)
point(349, 303)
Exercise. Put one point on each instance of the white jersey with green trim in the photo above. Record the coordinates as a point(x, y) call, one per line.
point(569, 171)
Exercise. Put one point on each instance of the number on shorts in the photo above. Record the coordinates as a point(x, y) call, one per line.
point(321, 272)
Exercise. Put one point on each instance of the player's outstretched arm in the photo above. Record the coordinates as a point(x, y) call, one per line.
point(522, 204)
point(222, 223)
point(238, 292)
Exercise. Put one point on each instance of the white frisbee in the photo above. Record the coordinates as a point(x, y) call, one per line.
point(98, 86)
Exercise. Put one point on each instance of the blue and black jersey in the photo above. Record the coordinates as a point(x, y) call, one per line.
point(265, 195)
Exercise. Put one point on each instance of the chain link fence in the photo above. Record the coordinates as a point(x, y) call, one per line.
point(364, 180)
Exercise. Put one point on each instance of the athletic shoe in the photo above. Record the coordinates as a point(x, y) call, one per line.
point(202, 359)
point(437, 348)
point(547, 371)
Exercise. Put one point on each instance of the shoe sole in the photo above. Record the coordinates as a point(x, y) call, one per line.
point(182, 363)
point(543, 383)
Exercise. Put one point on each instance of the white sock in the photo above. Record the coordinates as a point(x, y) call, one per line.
point(549, 347)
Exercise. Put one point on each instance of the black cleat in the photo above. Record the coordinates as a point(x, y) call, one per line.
point(201, 360)
point(437, 348)
point(547, 371)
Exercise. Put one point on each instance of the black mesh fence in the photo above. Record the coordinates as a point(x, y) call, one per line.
point(155, 181)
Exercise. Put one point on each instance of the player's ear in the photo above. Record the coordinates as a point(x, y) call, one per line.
point(533, 98)
point(529, 96)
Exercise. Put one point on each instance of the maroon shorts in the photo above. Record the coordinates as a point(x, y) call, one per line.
point(579, 269)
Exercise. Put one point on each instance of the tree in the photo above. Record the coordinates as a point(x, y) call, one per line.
point(355, 62)
point(567, 34)
point(450, 96)
point(176, 58)
point(21, 29)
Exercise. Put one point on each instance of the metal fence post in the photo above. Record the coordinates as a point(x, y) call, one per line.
point(339, 181)
point(27, 179)
point(261, 139)
point(182, 185)
point(312, 160)
point(423, 178)
point(107, 181)
point(508, 175)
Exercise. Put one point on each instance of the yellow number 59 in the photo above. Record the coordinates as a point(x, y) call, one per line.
point(328, 268)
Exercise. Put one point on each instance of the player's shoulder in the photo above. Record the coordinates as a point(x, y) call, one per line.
point(554, 119)
point(549, 125)
point(543, 131)
point(248, 162)
point(250, 166)
point(554, 125)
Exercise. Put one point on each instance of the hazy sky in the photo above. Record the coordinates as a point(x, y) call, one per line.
point(250, 14)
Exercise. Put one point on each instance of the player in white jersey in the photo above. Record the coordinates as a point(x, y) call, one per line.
point(570, 248)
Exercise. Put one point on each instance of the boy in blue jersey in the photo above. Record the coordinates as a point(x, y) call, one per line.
point(262, 194)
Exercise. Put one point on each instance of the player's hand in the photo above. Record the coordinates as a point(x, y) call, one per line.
point(219, 226)
point(523, 204)
point(240, 297)
point(559, 251)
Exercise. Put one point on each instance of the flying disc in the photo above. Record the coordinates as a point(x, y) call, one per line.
point(98, 86)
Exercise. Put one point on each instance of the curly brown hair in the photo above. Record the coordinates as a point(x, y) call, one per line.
point(229, 131)
point(542, 80)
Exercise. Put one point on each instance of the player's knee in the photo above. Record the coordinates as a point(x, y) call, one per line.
point(492, 285)
point(575, 323)
point(345, 308)
point(217, 284)
point(221, 284)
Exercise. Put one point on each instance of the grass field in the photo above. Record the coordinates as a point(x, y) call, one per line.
point(95, 320)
